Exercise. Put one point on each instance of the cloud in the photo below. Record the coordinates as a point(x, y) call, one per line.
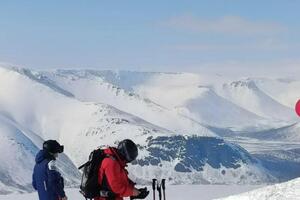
point(266, 44)
point(274, 68)
point(224, 25)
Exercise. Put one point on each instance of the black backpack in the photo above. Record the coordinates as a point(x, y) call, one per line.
point(89, 186)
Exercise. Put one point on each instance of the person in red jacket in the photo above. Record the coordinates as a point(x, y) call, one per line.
point(113, 172)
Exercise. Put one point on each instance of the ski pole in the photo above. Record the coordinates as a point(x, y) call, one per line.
point(159, 190)
point(163, 184)
point(153, 187)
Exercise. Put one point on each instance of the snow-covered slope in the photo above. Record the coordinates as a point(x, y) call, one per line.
point(174, 192)
point(290, 133)
point(215, 110)
point(258, 95)
point(283, 191)
point(178, 94)
point(284, 90)
point(248, 95)
point(92, 86)
point(190, 91)
point(53, 115)
point(17, 158)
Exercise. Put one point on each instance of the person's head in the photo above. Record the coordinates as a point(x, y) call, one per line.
point(53, 147)
point(128, 150)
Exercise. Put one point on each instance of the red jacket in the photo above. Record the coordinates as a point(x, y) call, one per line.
point(116, 175)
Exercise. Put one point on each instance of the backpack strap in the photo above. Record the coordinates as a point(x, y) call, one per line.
point(82, 166)
point(106, 191)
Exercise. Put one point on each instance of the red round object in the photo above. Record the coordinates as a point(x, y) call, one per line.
point(297, 108)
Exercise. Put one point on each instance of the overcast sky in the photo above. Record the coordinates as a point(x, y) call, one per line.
point(260, 36)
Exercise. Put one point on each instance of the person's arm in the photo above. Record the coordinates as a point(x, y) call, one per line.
point(55, 180)
point(118, 179)
point(34, 182)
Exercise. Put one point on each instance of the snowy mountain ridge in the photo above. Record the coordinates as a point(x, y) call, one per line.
point(240, 92)
point(176, 91)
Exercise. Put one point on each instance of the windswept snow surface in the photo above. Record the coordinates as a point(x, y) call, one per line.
point(283, 191)
point(173, 192)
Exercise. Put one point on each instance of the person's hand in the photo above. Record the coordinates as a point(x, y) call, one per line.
point(143, 193)
point(136, 192)
point(131, 182)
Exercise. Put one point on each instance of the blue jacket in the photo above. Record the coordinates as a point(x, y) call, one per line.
point(46, 179)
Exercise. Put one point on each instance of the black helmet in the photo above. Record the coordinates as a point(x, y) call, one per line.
point(128, 150)
point(52, 146)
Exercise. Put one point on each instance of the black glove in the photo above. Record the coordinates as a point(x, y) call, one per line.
point(143, 194)
point(131, 182)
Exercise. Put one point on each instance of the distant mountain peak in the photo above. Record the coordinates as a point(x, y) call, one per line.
point(246, 83)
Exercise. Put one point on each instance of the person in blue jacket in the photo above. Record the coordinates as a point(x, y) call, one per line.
point(46, 179)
